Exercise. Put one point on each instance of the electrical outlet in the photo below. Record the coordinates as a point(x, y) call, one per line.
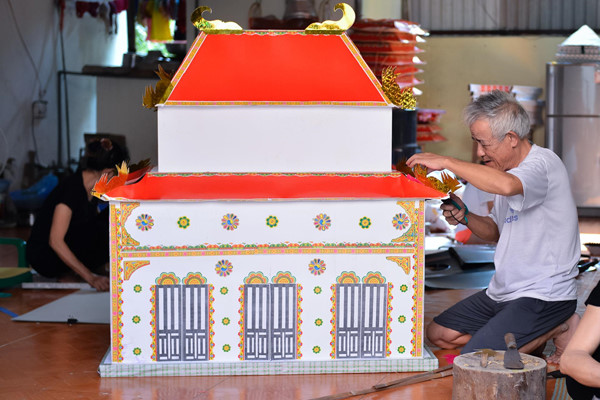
point(39, 109)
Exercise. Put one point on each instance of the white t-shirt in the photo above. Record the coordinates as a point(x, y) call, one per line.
point(538, 250)
point(476, 201)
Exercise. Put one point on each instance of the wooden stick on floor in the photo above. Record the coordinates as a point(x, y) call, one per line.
point(409, 380)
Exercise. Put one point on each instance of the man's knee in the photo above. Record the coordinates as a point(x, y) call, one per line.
point(433, 332)
point(445, 338)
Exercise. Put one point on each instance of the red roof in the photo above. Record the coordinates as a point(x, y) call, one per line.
point(254, 186)
point(275, 67)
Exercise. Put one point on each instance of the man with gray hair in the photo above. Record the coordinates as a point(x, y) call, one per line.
point(534, 222)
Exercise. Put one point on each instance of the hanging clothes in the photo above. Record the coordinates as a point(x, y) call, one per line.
point(105, 10)
point(155, 15)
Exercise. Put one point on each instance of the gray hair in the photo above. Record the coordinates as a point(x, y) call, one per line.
point(502, 111)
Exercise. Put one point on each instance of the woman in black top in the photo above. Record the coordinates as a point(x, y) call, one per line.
point(70, 234)
point(581, 359)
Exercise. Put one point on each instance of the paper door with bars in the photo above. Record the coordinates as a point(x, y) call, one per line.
point(182, 322)
point(270, 320)
point(361, 320)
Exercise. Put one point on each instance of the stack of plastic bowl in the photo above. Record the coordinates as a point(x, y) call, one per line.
point(581, 47)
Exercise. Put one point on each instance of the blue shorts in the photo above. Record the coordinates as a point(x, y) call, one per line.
point(487, 320)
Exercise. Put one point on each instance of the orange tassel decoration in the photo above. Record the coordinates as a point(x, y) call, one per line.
point(105, 185)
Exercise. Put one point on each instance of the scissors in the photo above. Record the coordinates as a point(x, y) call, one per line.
point(449, 200)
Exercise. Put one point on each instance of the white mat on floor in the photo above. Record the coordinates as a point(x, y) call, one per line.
point(85, 306)
point(55, 285)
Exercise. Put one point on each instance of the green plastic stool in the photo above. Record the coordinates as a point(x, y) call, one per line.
point(12, 276)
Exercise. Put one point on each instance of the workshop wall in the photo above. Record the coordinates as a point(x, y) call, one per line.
point(29, 73)
point(453, 62)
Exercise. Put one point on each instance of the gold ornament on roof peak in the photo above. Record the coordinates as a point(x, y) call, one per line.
point(215, 26)
point(403, 98)
point(334, 27)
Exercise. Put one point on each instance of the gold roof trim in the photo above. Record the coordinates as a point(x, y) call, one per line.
point(402, 98)
point(334, 27)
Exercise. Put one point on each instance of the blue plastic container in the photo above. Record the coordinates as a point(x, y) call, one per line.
point(33, 197)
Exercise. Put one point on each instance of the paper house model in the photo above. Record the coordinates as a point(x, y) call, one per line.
point(308, 261)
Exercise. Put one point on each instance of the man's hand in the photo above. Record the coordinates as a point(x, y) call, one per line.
point(433, 162)
point(99, 282)
point(453, 214)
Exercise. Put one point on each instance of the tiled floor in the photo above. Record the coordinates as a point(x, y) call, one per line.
point(60, 361)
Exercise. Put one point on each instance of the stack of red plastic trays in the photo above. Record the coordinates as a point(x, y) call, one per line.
point(477, 90)
point(428, 129)
point(391, 42)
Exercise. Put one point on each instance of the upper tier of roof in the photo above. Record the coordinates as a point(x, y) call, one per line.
point(275, 67)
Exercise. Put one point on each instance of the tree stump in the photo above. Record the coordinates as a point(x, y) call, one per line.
point(473, 381)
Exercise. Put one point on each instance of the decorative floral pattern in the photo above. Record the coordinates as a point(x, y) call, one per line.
point(137, 351)
point(318, 290)
point(364, 223)
point(318, 322)
point(224, 290)
point(316, 349)
point(129, 267)
point(144, 222)
point(223, 268)
point(167, 278)
point(322, 222)
point(400, 221)
point(316, 266)
point(226, 348)
point(348, 277)
point(225, 321)
point(401, 349)
point(402, 319)
point(194, 279)
point(136, 319)
point(137, 288)
point(230, 222)
point(374, 278)
point(284, 277)
point(403, 288)
point(272, 221)
point(254, 278)
point(183, 222)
